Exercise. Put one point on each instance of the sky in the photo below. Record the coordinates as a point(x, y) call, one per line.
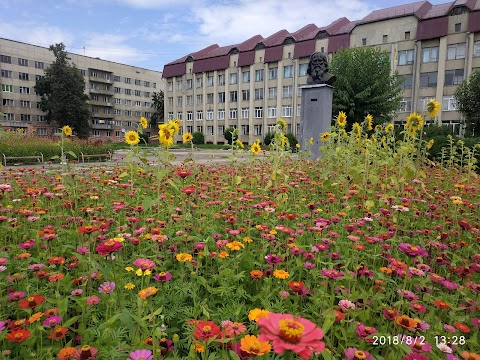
point(152, 33)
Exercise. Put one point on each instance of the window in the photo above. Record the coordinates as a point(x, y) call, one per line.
point(456, 51)
point(364, 41)
point(259, 75)
point(25, 117)
point(128, 92)
point(22, 62)
point(129, 113)
point(233, 96)
point(476, 49)
point(288, 91)
point(169, 85)
point(288, 71)
point(299, 109)
point(458, 27)
point(210, 130)
point(232, 114)
point(6, 73)
point(199, 99)
point(7, 88)
point(430, 54)
point(179, 100)
point(24, 90)
point(199, 82)
point(405, 57)
point(128, 102)
point(39, 65)
point(146, 83)
point(96, 132)
point(407, 35)
point(42, 131)
point(422, 103)
point(448, 103)
point(138, 93)
point(302, 69)
point(258, 112)
point(93, 74)
point(287, 110)
point(453, 77)
point(9, 117)
point(83, 72)
point(220, 129)
point(245, 129)
point(221, 79)
point(200, 128)
point(189, 99)
point(272, 112)
point(146, 94)
point(210, 98)
point(117, 112)
point(179, 84)
point(128, 80)
point(117, 90)
point(209, 115)
point(41, 118)
point(200, 115)
point(246, 76)
point(233, 78)
point(245, 113)
point(24, 103)
point(116, 78)
point(210, 80)
point(245, 95)
point(221, 97)
point(272, 92)
point(221, 114)
point(385, 39)
point(405, 105)
point(5, 59)
point(170, 101)
point(273, 73)
point(407, 84)
point(428, 79)
point(137, 82)
point(257, 130)
point(8, 102)
point(23, 76)
point(189, 84)
point(259, 94)
point(189, 115)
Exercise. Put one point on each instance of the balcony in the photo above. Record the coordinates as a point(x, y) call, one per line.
point(100, 103)
point(101, 91)
point(14, 124)
point(100, 80)
point(102, 126)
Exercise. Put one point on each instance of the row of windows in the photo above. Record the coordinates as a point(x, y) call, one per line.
point(448, 104)
point(22, 62)
point(258, 113)
point(429, 79)
point(41, 118)
point(430, 54)
point(118, 90)
point(22, 76)
point(10, 88)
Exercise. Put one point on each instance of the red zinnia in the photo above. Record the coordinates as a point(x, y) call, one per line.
point(32, 302)
point(296, 286)
point(87, 229)
point(288, 333)
point(108, 247)
point(205, 330)
point(441, 304)
point(18, 335)
point(462, 327)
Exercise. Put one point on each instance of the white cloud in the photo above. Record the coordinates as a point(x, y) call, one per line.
point(113, 48)
point(37, 34)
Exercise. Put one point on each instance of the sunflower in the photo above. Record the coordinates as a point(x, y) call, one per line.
point(187, 138)
point(67, 130)
point(357, 129)
point(282, 124)
point(175, 125)
point(132, 138)
point(389, 128)
point(430, 144)
point(143, 122)
point(165, 134)
point(310, 141)
point(324, 137)
point(341, 119)
point(369, 121)
point(255, 148)
point(433, 107)
point(239, 143)
point(414, 123)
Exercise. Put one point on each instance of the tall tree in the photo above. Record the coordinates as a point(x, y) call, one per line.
point(62, 91)
point(158, 105)
point(467, 96)
point(365, 85)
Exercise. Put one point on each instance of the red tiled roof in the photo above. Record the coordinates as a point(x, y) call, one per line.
point(438, 10)
point(346, 29)
point(470, 4)
point(171, 70)
point(474, 21)
point(195, 55)
point(246, 58)
point(338, 42)
point(276, 39)
point(274, 53)
point(417, 9)
point(432, 28)
point(337, 25)
point(305, 32)
point(304, 48)
point(211, 64)
point(250, 43)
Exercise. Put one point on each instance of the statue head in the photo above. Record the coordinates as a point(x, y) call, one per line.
point(317, 67)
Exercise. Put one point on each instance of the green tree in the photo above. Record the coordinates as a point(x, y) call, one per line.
point(467, 96)
point(230, 134)
point(365, 85)
point(158, 106)
point(62, 91)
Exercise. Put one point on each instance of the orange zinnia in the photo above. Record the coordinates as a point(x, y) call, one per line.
point(441, 304)
point(470, 356)
point(147, 292)
point(462, 327)
point(251, 345)
point(58, 333)
point(18, 335)
point(67, 353)
point(256, 274)
point(407, 322)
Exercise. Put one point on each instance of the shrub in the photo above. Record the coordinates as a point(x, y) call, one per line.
point(228, 135)
point(292, 140)
point(198, 138)
point(267, 140)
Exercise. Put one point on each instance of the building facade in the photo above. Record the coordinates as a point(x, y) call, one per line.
point(250, 85)
point(118, 94)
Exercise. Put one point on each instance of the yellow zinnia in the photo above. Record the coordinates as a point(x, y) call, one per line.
point(433, 107)
point(324, 137)
point(67, 130)
point(256, 148)
point(341, 119)
point(183, 257)
point(147, 292)
point(251, 345)
point(132, 138)
point(143, 122)
point(187, 138)
point(129, 286)
point(281, 274)
point(256, 314)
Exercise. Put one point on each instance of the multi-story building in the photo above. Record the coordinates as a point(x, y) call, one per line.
point(118, 94)
point(250, 85)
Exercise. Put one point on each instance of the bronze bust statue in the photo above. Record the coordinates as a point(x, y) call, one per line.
point(318, 70)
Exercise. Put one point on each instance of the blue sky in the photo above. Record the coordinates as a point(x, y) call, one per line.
point(151, 33)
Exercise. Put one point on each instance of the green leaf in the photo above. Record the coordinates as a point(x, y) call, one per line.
point(72, 154)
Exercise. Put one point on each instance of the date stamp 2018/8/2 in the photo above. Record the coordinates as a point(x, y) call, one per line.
point(380, 340)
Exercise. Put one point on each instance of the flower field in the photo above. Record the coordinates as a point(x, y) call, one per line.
point(368, 253)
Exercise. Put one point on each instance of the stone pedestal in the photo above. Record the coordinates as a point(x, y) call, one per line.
point(315, 116)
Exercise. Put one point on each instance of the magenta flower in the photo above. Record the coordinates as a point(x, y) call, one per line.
point(36, 267)
point(355, 354)
point(16, 295)
point(76, 292)
point(417, 307)
point(108, 247)
point(162, 277)
point(365, 331)
point(273, 259)
point(412, 250)
point(141, 355)
point(415, 356)
point(332, 274)
point(52, 321)
point(93, 300)
point(420, 346)
point(308, 265)
point(82, 250)
point(144, 264)
point(107, 287)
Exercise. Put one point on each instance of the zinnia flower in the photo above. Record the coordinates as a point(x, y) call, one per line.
point(356, 354)
point(162, 277)
point(18, 335)
point(144, 264)
point(132, 138)
point(256, 314)
point(251, 345)
point(67, 353)
point(281, 274)
point(288, 333)
point(58, 333)
point(106, 288)
point(31, 302)
point(206, 330)
point(183, 257)
point(108, 247)
point(141, 355)
point(147, 292)
point(86, 352)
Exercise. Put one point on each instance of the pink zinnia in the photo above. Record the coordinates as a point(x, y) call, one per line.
point(332, 274)
point(141, 355)
point(52, 320)
point(144, 264)
point(412, 250)
point(355, 354)
point(418, 307)
point(415, 356)
point(107, 287)
point(108, 247)
point(288, 333)
point(93, 300)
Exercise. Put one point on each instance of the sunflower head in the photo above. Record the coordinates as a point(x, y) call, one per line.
point(282, 124)
point(324, 137)
point(239, 143)
point(389, 128)
point(187, 138)
point(369, 122)
point(132, 138)
point(341, 119)
point(143, 122)
point(256, 148)
point(67, 130)
point(433, 107)
point(414, 123)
